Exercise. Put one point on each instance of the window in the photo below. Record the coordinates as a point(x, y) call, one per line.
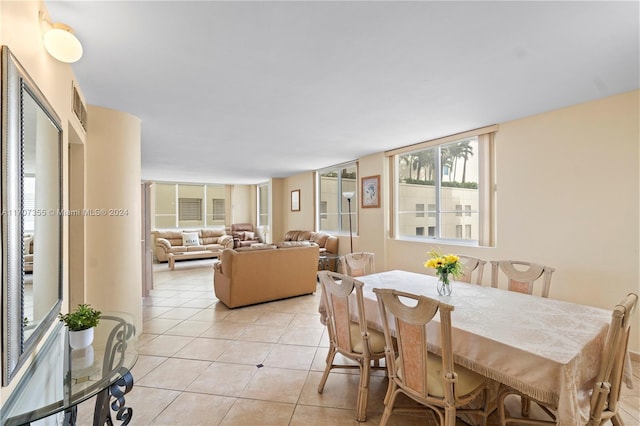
point(333, 206)
point(451, 177)
point(189, 209)
point(217, 209)
point(263, 204)
point(189, 205)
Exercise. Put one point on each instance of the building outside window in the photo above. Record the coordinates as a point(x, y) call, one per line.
point(333, 207)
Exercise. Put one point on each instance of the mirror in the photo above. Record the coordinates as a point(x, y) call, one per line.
point(31, 219)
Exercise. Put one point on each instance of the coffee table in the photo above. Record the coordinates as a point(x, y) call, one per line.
point(206, 254)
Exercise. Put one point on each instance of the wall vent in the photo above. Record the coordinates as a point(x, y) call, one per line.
point(79, 108)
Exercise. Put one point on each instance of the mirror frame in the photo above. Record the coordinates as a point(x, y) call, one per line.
point(15, 350)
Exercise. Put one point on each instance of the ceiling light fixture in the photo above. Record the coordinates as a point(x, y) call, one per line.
point(60, 41)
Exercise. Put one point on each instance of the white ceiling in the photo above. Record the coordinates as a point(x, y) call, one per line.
point(238, 92)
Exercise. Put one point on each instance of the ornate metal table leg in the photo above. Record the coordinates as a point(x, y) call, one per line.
point(115, 393)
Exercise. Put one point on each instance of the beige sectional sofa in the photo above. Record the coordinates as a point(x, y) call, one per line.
point(210, 243)
point(328, 244)
point(253, 276)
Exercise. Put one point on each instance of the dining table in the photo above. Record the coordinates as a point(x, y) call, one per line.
point(545, 348)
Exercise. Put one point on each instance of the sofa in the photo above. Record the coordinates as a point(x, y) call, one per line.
point(244, 235)
point(28, 253)
point(199, 243)
point(248, 277)
point(327, 244)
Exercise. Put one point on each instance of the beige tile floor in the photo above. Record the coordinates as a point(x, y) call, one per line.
point(203, 364)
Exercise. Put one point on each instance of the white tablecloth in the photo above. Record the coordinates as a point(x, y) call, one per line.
point(545, 348)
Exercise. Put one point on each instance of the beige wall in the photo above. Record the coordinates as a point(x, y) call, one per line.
point(113, 239)
point(371, 218)
point(567, 196)
point(303, 219)
point(243, 204)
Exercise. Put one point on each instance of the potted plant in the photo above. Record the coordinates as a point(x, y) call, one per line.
point(81, 323)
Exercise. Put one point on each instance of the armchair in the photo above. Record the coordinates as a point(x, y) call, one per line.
point(244, 234)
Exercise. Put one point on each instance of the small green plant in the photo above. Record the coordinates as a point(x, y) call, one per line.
point(82, 318)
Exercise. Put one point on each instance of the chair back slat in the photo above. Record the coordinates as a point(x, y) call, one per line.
point(471, 266)
point(342, 315)
point(522, 276)
point(520, 287)
point(413, 356)
point(358, 264)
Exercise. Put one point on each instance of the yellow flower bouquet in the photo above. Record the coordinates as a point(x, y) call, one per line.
point(446, 265)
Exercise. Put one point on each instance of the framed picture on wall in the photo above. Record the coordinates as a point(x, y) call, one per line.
point(370, 191)
point(295, 200)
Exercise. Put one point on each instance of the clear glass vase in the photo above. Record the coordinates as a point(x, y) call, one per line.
point(444, 285)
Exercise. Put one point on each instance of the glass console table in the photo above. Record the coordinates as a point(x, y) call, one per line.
point(60, 378)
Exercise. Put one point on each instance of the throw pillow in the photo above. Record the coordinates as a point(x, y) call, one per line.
point(249, 235)
point(190, 239)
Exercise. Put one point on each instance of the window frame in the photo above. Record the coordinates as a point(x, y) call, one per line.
point(486, 188)
point(263, 219)
point(340, 213)
point(171, 209)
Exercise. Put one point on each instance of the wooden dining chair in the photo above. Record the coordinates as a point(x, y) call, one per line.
point(606, 391)
point(471, 266)
point(522, 275)
point(353, 340)
point(431, 380)
point(358, 264)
